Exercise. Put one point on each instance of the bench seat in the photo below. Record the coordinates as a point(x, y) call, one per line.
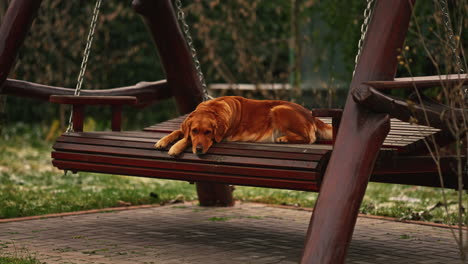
point(285, 166)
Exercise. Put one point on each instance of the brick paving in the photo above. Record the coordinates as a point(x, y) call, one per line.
point(186, 233)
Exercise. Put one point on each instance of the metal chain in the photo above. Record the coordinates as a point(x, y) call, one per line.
point(193, 51)
point(451, 37)
point(364, 26)
point(84, 62)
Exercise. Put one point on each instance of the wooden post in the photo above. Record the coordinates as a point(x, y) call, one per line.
point(78, 117)
point(13, 30)
point(181, 76)
point(116, 118)
point(358, 141)
point(336, 126)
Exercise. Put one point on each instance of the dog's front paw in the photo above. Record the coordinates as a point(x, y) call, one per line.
point(161, 144)
point(178, 147)
point(174, 151)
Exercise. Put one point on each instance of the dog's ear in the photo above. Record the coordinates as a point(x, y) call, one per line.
point(185, 127)
point(220, 129)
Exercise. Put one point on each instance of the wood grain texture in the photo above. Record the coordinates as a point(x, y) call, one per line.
point(93, 100)
point(146, 92)
point(175, 56)
point(428, 114)
point(15, 25)
point(185, 176)
point(177, 61)
point(358, 142)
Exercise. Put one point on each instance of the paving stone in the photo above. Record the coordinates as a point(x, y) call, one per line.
point(246, 233)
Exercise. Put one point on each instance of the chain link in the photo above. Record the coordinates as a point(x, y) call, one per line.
point(84, 62)
point(193, 51)
point(364, 26)
point(451, 37)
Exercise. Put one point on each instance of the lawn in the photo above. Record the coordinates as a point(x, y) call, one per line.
point(30, 185)
point(15, 260)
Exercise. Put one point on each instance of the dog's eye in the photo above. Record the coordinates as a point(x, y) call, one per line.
point(207, 132)
point(195, 131)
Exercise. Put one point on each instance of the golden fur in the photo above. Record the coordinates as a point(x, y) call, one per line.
point(234, 118)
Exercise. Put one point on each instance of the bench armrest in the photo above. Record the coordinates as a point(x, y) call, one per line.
point(79, 103)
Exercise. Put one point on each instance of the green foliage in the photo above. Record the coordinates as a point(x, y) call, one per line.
point(237, 41)
point(122, 53)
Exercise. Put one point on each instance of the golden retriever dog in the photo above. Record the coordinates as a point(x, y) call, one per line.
point(234, 118)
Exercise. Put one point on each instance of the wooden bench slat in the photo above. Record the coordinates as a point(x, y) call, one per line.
point(403, 136)
point(309, 175)
point(207, 158)
point(132, 143)
point(186, 176)
point(148, 137)
point(408, 132)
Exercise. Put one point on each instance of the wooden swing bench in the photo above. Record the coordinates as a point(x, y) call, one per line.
point(369, 143)
point(284, 166)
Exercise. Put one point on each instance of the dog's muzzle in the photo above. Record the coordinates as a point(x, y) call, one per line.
point(199, 149)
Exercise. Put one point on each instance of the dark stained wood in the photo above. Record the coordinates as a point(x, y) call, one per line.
point(78, 117)
point(79, 151)
point(207, 158)
point(254, 165)
point(187, 165)
point(15, 25)
point(226, 149)
point(427, 113)
point(116, 122)
point(402, 164)
point(335, 114)
point(358, 141)
point(93, 100)
point(175, 56)
point(257, 163)
point(185, 176)
point(418, 170)
point(145, 92)
point(421, 82)
point(327, 112)
point(79, 103)
point(381, 103)
point(177, 62)
point(215, 194)
point(135, 149)
point(403, 136)
point(147, 140)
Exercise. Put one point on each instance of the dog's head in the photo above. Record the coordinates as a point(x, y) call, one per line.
point(203, 128)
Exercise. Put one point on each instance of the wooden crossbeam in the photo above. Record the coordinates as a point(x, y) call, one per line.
point(146, 92)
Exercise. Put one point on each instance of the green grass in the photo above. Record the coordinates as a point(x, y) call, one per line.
point(18, 256)
point(30, 185)
point(14, 260)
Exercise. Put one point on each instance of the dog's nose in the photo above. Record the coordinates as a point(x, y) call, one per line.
point(199, 149)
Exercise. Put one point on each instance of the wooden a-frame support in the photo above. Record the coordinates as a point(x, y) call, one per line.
point(358, 141)
point(182, 78)
point(180, 70)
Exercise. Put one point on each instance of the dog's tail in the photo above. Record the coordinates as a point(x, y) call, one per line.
point(324, 131)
